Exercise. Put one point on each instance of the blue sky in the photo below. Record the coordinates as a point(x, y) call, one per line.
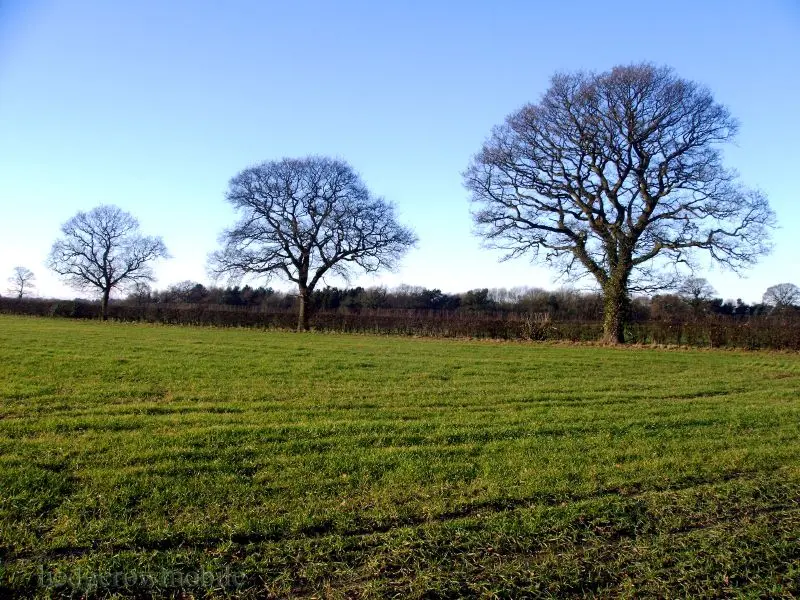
point(154, 105)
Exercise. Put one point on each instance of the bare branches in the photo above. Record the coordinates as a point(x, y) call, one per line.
point(304, 218)
point(618, 175)
point(782, 295)
point(103, 249)
point(21, 281)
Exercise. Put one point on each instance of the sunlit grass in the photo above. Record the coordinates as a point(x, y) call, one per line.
point(341, 466)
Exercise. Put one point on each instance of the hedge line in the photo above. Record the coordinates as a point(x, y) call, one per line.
point(766, 332)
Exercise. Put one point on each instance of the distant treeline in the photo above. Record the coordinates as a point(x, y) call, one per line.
point(502, 314)
point(558, 305)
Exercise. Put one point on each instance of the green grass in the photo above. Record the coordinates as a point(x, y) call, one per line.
point(346, 466)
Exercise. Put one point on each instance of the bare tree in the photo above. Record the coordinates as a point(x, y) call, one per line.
point(21, 281)
point(782, 295)
point(619, 176)
point(696, 291)
point(103, 249)
point(304, 218)
point(141, 293)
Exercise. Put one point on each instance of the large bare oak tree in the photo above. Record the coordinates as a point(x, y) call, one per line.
point(619, 176)
point(303, 218)
point(103, 249)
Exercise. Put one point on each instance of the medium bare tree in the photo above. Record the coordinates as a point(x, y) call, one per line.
point(782, 295)
point(103, 249)
point(619, 176)
point(304, 218)
point(21, 281)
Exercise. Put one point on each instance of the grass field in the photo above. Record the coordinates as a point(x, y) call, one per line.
point(136, 460)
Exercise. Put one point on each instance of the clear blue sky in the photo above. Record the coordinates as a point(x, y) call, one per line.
point(154, 105)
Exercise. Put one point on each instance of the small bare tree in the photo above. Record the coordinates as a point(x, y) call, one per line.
point(21, 281)
point(303, 218)
point(696, 291)
point(617, 175)
point(782, 295)
point(140, 293)
point(103, 249)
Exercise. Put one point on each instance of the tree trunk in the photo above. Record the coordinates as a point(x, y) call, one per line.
point(302, 317)
point(104, 305)
point(615, 311)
